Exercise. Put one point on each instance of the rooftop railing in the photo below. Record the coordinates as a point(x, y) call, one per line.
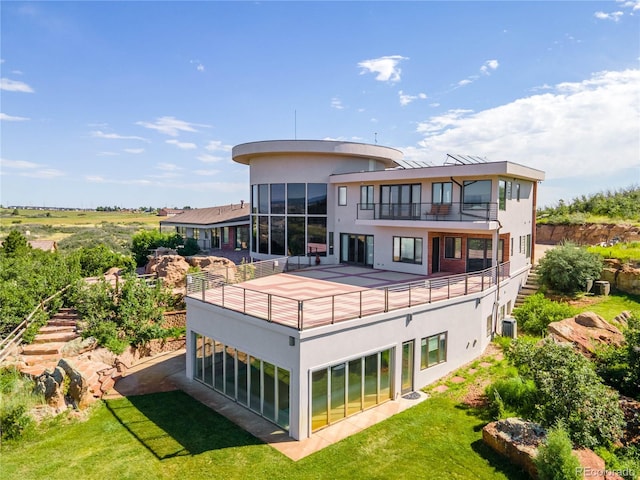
point(446, 212)
point(330, 309)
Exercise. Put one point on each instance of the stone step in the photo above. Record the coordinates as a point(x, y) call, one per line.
point(39, 369)
point(57, 329)
point(61, 323)
point(43, 348)
point(44, 359)
point(42, 338)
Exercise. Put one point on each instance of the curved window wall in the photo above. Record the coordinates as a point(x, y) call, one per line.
point(289, 219)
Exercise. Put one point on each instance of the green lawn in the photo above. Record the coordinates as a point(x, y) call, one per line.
point(171, 435)
point(608, 307)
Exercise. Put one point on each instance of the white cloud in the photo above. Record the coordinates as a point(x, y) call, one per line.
point(206, 158)
point(107, 154)
point(168, 167)
point(464, 82)
point(206, 173)
point(182, 145)
point(218, 146)
point(171, 126)
point(337, 103)
point(488, 66)
point(18, 164)
point(94, 178)
point(406, 99)
point(115, 136)
point(9, 118)
point(386, 68)
point(198, 64)
point(45, 173)
point(14, 86)
point(578, 128)
point(134, 150)
point(613, 16)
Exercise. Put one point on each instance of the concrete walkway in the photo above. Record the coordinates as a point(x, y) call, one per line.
point(166, 372)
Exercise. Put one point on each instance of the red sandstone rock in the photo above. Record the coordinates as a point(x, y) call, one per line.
point(585, 331)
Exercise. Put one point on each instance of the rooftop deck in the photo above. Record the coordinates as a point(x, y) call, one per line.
point(325, 295)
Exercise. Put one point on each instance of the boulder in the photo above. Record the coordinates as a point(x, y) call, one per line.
point(172, 269)
point(516, 439)
point(78, 390)
point(48, 385)
point(623, 276)
point(585, 331)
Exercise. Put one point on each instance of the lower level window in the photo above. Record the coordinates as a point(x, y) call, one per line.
point(433, 350)
point(257, 384)
point(407, 249)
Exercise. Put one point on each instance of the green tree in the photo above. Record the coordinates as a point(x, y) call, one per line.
point(96, 260)
point(145, 241)
point(15, 244)
point(555, 459)
point(567, 268)
point(569, 390)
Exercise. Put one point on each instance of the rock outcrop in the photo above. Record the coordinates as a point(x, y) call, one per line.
point(172, 269)
point(622, 276)
point(585, 331)
point(588, 234)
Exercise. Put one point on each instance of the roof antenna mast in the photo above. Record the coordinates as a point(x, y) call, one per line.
point(375, 137)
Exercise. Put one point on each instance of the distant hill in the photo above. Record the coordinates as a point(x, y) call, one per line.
point(614, 205)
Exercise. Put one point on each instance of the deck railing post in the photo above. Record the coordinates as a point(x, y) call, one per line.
point(333, 309)
point(466, 283)
point(448, 288)
point(360, 315)
point(386, 299)
point(482, 282)
point(202, 287)
point(244, 300)
point(269, 308)
point(300, 317)
point(409, 295)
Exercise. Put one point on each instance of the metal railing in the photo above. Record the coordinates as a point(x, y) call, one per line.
point(446, 212)
point(330, 309)
point(14, 338)
point(227, 275)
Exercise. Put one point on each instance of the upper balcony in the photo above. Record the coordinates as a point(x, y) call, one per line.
point(428, 212)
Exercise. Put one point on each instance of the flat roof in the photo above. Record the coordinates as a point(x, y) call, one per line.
point(245, 152)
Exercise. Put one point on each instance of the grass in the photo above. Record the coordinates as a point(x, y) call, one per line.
point(171, 435)
point(608, 307)
point(74, 218)
point(625, 252)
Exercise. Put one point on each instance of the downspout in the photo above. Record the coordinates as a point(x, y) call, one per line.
point(533, 223)
point(496, 304)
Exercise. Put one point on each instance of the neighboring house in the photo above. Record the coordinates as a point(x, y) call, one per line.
point(169, 212)
point(225, 227)
point(306, 352)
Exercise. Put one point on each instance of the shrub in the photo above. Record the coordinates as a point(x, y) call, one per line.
point(568, 268)
point(516, 394)
point(569, 390)
point(555, 459)
point(537, 312)
point(496, 405)
point(17, 398)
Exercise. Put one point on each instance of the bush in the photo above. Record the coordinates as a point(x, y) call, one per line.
point(537, 312)
point(569, 390)
point(515, 394)
point(17, 398)
point(568, 268)
point(555, 459)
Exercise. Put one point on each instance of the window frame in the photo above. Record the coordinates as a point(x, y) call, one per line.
point(457, 248)
point(442, 193)
point(366, 197)
point(442, 342)
point(414, 259)
point(342, 196)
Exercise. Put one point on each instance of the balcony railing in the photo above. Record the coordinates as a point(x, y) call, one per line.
point(330, 309)
point(446, 212)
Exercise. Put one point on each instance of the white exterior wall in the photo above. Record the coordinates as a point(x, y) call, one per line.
point(463, 318)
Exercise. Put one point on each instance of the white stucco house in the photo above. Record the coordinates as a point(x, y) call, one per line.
point(435, 254)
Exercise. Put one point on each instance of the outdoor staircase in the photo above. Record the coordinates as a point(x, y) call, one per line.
point(528, 288)
point(47, 347)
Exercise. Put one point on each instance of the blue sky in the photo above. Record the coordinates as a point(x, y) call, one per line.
point(139, 103)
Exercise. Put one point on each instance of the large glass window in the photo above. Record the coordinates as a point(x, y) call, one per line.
point(277, 198)
point(366, 197)
point(317, 198)
point(198, 367)
point(242, 237)
point(230, 371)
point(243, 377)
point(407, 249)
point(433, 350)
point(269, 395)
point(397, 201)
point(476, 192)
point(295, 236)
point(264, 234)
point(296, 198)
point(208, 361)
point(452, 247)
point(283, 398)
point(263, 198)
point(350, 387)
point(277, 235)
point(442, 192)
point(255, 380)
point(218, 366)
point(317, 235)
